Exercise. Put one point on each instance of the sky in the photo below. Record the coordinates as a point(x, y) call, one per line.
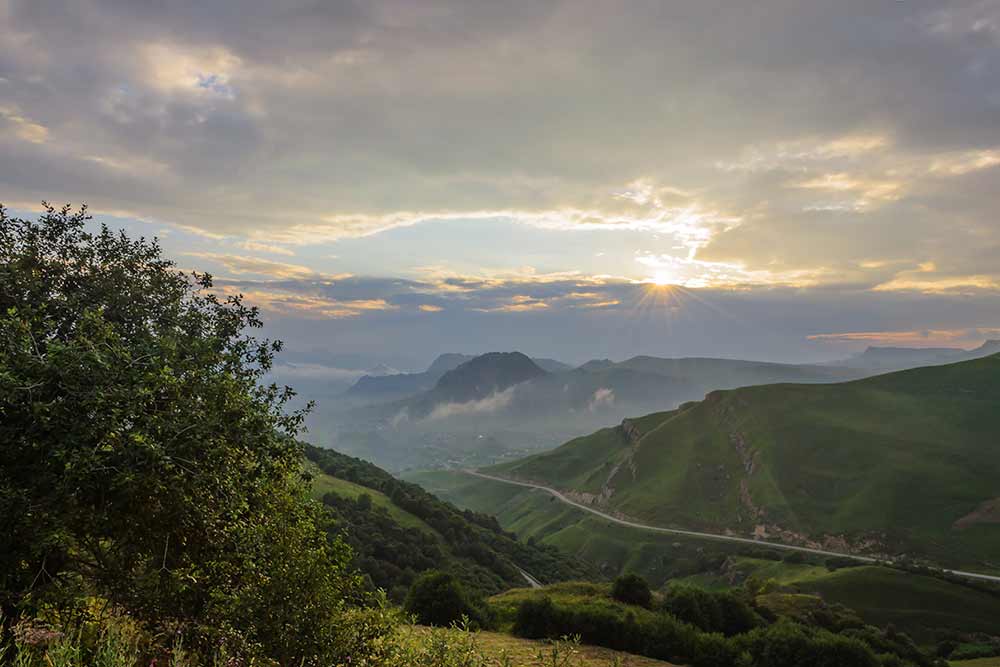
point(390, 180)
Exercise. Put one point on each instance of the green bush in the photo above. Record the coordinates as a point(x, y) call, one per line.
point(724, 612)
point(787, 644)
point(437, 598)
point(632, 589)
point(144, 459)
point(536, 618)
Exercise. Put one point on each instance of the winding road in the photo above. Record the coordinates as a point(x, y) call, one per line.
point(710, 536)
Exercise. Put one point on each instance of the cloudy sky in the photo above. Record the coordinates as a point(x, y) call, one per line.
point(780, 179)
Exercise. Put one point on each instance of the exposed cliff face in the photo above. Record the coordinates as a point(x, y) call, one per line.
point(631, 432)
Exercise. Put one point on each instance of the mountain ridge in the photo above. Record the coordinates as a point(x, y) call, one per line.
point(807, 464)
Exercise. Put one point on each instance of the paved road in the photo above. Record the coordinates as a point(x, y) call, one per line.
point(534, 583)
point(709, 536)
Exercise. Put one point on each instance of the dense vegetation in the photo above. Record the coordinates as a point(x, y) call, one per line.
point(146, 471)
point(470, 545)
point(709, 629)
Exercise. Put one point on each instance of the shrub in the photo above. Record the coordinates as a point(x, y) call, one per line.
point(632, 589)
point(536, 618)
point(695, 606)
point(144, 459)
point(788, 644)
point(437, 598)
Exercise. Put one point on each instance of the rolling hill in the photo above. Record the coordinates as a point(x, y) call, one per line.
point(904, 463)
point(398, 530)
point(919, 604)
point(505, 405)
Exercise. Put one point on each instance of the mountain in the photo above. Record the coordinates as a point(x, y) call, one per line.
point(484, 376)
point(398, 530)
point(899, 358)
point(389, 386)
point(708, 373)
point(393, 386)
point(508, 402)
point(904, 463)
point(551, 365)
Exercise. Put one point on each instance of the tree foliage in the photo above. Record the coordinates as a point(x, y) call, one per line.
point(437, 598)
point(632, 589)
point(143, 459)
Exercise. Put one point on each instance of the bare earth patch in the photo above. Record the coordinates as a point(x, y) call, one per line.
point(988, 512)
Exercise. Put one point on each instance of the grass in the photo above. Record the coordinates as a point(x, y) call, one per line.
point(502, 650)
point(914, 603)
point(323, 484)
point(978, 662)
point(899, 457)
point(880, 595)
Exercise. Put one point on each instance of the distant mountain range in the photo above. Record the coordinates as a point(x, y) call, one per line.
point(393, 386)
point(900, 358)
point(506, 404)
point(903, 463)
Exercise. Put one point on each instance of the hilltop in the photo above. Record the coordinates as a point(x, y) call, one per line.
point(904, 463)
point(395, 385)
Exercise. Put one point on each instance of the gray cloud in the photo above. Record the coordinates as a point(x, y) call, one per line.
point(831, 167)
point(341, 118)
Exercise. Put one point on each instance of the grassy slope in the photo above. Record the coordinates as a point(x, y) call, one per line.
point(884, 596)
point(979, 662)
point(496, 646)
point(323, 484)
point(880, 595)
point(902, 455)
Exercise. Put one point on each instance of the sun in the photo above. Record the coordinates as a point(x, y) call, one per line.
point(662, 279)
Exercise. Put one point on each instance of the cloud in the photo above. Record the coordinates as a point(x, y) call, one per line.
point(242, 264)
point(519, 303)
point(255, 246)
point(491, 404)
point(22, 128)
point(918, 338)
point(384, 115)
point(601, 398)
point(301, 300)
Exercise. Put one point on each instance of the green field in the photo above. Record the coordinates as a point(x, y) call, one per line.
point(979, 662)
point(496, 648)
point(323, 484)
point(914, 603)
point(904, 463)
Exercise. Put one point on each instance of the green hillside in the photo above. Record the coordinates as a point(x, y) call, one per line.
point(398, 530)
point(904, 463)
point(917, 604)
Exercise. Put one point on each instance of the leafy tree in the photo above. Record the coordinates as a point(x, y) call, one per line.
point(143, 460)
point(437, 598)
point(536, 618)
point(632, 589)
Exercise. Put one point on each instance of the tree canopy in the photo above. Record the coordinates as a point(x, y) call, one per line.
point(144, 461)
